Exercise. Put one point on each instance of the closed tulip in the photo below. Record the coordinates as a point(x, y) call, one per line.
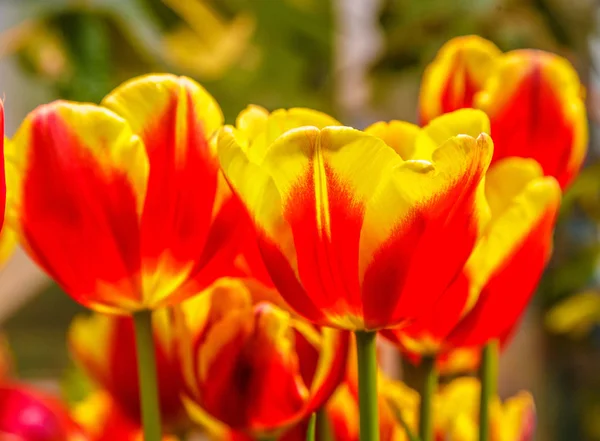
point(251, 365)
point(534, 100)
point(123, 204)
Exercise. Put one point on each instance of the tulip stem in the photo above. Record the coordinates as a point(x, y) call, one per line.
point(429, 386)
point(367, 385)
point(488, 376)
point(148, 381)
point(323, 426)
point(312, 427)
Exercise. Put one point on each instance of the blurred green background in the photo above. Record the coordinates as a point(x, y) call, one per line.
point(359, 60)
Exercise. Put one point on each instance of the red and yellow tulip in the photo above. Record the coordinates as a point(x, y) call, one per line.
point(27, 414)
point(103, 420)
point(347, 224)
point(522, 206)
point(534, 100)
point(104, 346)
point(123, 204)
point(457, 408)
point(253, 366)
point(459, 70)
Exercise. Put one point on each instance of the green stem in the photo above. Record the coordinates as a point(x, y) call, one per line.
point(312, 425)
point(323, 426)
point(488, 376)
point(367, 385)
point(428, 389)
point(144, 343)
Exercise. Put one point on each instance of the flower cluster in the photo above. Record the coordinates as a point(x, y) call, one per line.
point(227, 266)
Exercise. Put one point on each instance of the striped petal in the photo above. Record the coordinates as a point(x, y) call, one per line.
point(511, 256)
point(422, 207)
point(252, 365)
point(78, 200)
point(249, 374)
point(519, 197)
point(190, 216)
point(457, 73)
point(535, 104)
point(307, 199)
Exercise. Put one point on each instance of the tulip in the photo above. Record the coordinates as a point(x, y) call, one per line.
point(103, 420)
point(253, 366)
point(457, 410)
point(123, 204)
point(534, 100)
point(104, 347)
point(345, 224)
point(523, 206)
point(459, 70)
point(30, 415)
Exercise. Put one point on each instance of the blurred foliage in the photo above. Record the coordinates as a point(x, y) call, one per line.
point(278, 53)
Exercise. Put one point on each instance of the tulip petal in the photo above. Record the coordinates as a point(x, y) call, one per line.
point(78, 201)
point(516, 248)
point(331, 367)
point(248, 370)
point(261, 129)
point(534, 101)
point(421, 208)
point(175, 117)
point(457, 73)
point(401, 136)
point(470, 122)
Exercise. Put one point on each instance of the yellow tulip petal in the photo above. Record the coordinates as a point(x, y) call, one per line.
point(401, 136)
point(507, 178)
point(281, 121)
point(507, 232)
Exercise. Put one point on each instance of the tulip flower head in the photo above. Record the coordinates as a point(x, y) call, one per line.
point(103, 420)
point(30, 415)
point(104, 346)
point(347, 225)
point(251, 365)
point(523, 206)
point(533, 98)
point(457, 408)
point(123, 204)
point(459, 70)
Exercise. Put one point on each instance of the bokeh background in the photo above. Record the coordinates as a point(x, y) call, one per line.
point(361, 61)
